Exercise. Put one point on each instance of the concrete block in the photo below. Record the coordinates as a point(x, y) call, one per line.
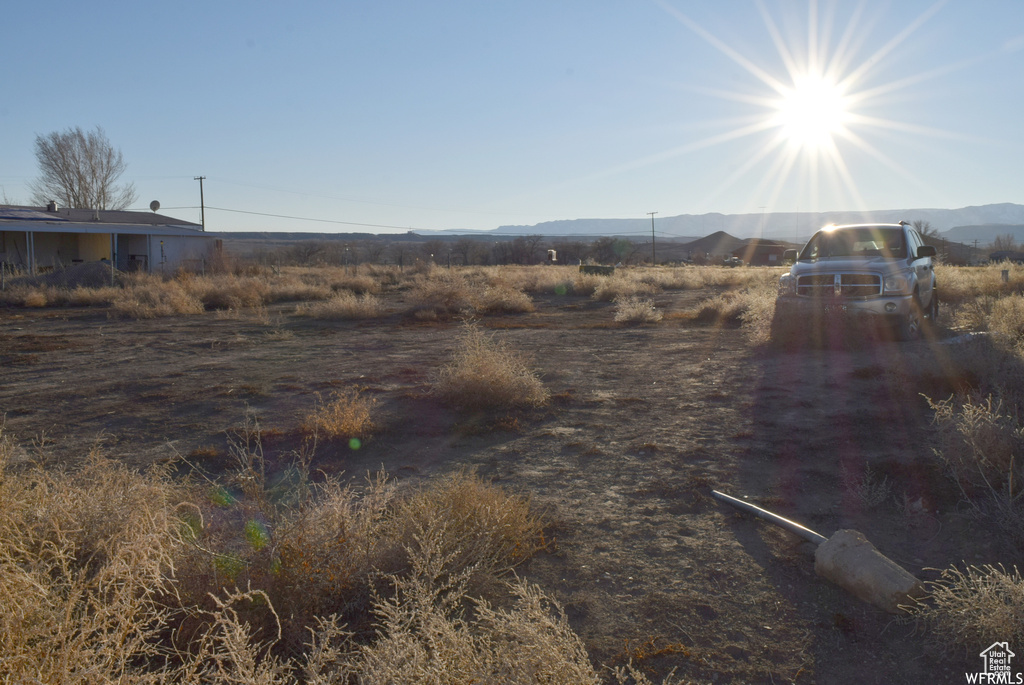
point(849, 560)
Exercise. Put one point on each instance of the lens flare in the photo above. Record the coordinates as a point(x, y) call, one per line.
point(812, 112)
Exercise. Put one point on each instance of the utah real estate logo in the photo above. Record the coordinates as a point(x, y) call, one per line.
point(996, 668)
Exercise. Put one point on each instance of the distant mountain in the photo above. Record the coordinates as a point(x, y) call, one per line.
point(985, 234)
point(718, 243)
point(793, 226)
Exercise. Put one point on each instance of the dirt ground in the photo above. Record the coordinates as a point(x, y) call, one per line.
point(644, 422)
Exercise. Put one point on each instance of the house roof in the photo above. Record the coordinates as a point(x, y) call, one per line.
point(40, 220)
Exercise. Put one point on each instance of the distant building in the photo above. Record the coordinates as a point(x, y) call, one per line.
point(39, 239)
point(759, 252)
point(1007, 256)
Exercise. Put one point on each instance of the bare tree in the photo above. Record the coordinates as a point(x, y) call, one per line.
point(926, 230)
point(462, 248)
point(1004, 243)
point(79, 169)
point(373, 250)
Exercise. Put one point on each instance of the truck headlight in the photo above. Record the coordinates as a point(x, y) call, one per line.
point(787, 284)
point(898, 284)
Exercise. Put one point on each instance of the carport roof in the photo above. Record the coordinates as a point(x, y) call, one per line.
point(91, 216)
point(39, 220)
point(122, 229)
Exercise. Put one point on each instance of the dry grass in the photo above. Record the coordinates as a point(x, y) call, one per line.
point(503, 299)
point(347, 415)
point(441, 293)
point(632, 309)
point(107, 575)
point(149, 297)
point(344, 305)
point(981, 443)
point(85, 569)
point(960, 285)
point(475, 526)
point(226, 291)
point(753, 307)
point(974, 607)
point(485, 373)
point(425, 637)
point(1007, 319)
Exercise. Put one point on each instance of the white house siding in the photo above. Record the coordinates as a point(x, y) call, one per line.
point(34, 246)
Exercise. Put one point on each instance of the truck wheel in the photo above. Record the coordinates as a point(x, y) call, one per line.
point(910, 327)
point(933, 308)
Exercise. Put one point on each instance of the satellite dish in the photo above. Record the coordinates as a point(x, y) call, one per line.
point(154, 205)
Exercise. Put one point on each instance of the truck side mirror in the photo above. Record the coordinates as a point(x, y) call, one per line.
point(926, 251)
point(789, 255)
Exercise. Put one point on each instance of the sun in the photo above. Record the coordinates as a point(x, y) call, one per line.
point(811, 112)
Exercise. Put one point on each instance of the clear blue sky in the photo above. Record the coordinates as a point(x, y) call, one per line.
point(469, 114)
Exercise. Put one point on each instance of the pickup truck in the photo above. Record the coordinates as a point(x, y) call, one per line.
point(879, 274)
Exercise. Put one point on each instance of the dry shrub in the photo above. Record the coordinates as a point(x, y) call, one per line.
point(148, 297)
point(632, 309)
point(1007, 318)
point(980, 443)
point(344, 305)
point(610, 288)
point(92, 297)
point(109, 576)
point(477, 527)
point(552, 280)
point(866, 486)
point(424, 636)
point(982, 446)
point(50, 296)
point(961, 285)
point(586, 284)
point(723, 308)
point(759, 312)
point(328, 555)
point(974, 607)
point(441, 293)
point(358, 284)
point(227, 291)
point(85, 563)
point(35, 297)
point(503, 299)
point(973, 315)
point(293, 289)
point(486, 373)
point(345, 416)
point(991, 367)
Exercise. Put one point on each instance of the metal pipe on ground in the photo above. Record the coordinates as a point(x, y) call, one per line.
point(849, 560)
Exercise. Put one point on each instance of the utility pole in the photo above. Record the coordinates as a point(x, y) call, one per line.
point(202, 203)
point(653, 257)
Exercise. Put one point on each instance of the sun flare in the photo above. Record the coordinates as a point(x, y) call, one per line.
point(814, 107)
point(811, 112)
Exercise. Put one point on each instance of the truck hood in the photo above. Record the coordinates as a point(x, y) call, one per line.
point(877, 265)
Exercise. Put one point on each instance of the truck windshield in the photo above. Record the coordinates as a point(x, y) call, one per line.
point(866, 241)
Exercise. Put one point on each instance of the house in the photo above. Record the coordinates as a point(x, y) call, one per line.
point(760, 252)
point(38, 239)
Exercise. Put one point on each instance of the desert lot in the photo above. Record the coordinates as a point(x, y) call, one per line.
point(643, 422)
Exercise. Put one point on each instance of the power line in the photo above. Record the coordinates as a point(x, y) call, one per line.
point(322, 221)
point(359, 223)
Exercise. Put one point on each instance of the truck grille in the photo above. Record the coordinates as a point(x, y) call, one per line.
point(839, 285)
